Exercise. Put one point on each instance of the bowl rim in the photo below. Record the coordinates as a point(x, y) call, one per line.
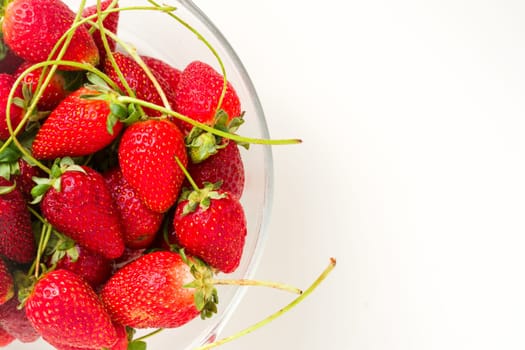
point(214, 330)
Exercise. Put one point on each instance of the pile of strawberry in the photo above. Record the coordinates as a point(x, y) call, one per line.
point(119, 201)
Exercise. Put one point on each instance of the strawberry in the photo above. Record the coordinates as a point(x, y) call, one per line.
point(211, 225)
point(225, 166)
point(152, 291)
point(64, 309)
point(147, 154)
point(24, 177)
point(78, 126)
point(121, 344)
point(138, 81)
point(9, 61)
point(110, 23)
point(16, 112)
point(92, 267)
point(166, 71)
point(7, 288)
point(16, 237)
point(139, 223)
point(198, 92)
point(79, 205)
point(5, 338)
point(15, 322)
point(53, 93)
point(31, 29)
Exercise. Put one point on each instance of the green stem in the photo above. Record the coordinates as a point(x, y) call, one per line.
point(234, 137)
point(275, 315)
point(37, 215)
point(258, 283)
point(187, 174)
point(44, 239)
point(209, 46)
point(149, 335)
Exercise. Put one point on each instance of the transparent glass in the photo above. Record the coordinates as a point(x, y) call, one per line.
point(158, 35)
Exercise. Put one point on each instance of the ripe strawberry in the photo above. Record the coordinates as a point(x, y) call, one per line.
point(110, 23)
point(54, 92)
point(24, 177)
point(5, 338)
point(17, 242)
point(225, 166)
point(138, 81)
point(92, 267)
point(166, 71)
point(64, 309)
point(147, 154)
point(197, 95)
point(7, 288)
point(82, 209)
point(15, 322)
point(121, 344)
point(9, 61)
point(139, 223)
point(16, 112)
point(211, 225)
point(152, 292)
point(77, 127)
point(31, 29)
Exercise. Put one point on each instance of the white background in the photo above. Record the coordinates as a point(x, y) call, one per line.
point(411, 172)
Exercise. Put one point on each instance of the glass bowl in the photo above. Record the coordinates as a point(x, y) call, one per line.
point(158, 35)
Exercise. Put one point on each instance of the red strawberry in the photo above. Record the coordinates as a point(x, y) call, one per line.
point(64, 309)
point(121, 344)
point(225, 166)
point(9, 61)
point(24, 177)
point(166, 71)
point(16, 113)
point(14, 321)
point(77, 127)
point(31, 29)
point(211, 225)
point(147, 154)
point(82, 209)
point(54, 92)
point(5, 338)
point(17, 242)
point(138, 81)
point(139, 224)
point(110, 23)
point(197, 95)
point(92, 267)
point(7, 288)
point(150, 292)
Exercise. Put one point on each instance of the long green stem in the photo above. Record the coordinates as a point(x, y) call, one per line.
point(275, 315)
point(149, 335)
point(234, 137)
point(258, 283)
point(209, 46)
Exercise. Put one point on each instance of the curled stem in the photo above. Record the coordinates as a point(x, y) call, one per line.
point(234, 137)
point(275, 315)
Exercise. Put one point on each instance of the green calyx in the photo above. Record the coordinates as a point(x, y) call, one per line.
point(9, 162)
point(126, 113)
point(206, 296)
point(60, 246)
point(201, 198)
point(60, 166)
point(202, 144)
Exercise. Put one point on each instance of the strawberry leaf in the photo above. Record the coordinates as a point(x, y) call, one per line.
point(7, 189)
